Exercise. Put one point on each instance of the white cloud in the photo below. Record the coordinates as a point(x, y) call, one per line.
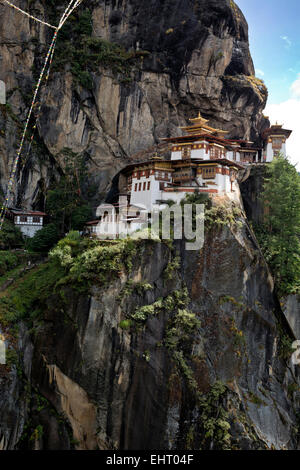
point(288, 114)
point(287, 41)
point(260, 73)
point(295, 88)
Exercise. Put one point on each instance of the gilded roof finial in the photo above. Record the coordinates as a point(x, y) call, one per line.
point(156, 156)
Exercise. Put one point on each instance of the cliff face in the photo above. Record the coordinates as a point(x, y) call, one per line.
point(175, 58)
point(251, 189)
point(143, 363)
point(178, 349)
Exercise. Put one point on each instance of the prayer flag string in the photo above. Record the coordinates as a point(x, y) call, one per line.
point(49, 57)
point(27, 14)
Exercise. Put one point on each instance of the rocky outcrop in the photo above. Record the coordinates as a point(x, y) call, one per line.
point(291, 308)
point(205, 368)
point(14, 392)
point(184, 56)
point(251, 186)
point(185, 350)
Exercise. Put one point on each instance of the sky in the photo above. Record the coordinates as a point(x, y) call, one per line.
point(274, 34)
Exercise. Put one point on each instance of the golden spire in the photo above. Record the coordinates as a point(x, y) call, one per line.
point(200, 126)
point(156, 156)
point(198, 120)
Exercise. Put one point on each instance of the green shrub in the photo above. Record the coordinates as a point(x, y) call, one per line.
point(279, 234)
point(26, 299)
point(86, 53)
point(80, 216)
point(64, 202)
point(8, 261)
point(88, 261)
point(10, 236)
point(125, 324)
point(44, 239)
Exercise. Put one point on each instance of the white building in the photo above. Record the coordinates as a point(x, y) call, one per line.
point(202, 142)
point(29, 222)
point(116, 220)
point(202, 161)
point(275, 142)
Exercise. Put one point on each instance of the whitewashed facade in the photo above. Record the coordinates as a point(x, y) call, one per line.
point(275, 142)
point(29, 222)
point(202, 161)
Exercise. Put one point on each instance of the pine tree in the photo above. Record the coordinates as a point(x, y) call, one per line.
point(281, 239)
point(65, 203)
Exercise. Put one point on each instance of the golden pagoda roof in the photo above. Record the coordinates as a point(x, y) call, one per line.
point(199, 125)
point(199, 119)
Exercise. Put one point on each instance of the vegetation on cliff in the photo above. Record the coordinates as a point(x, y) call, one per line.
point(10, 236)
point(74, 262)
point(85, 53)
point(64, 201)
point(279, 235)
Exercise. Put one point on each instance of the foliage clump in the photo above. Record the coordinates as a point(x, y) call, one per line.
point(222, 215)
point(279, 234)
point(10, 236)
point(214, 419)
point(74, 262)
point(86, 262)
point(248, 81)
point(65, 203)
point(85, 53)
point(27, 298)
point(8, 261)
point(44, 239)
point(171, 303)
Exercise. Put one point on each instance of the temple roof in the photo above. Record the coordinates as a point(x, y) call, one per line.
point(221, 161)
point(199, 136)
point(151, 161)
point(199, 125)
point(26, 212)
point(276, 129)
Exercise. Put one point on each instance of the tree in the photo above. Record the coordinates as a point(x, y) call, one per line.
point(80, 215)
point(65, 203)
point(10, 236)
point(280, 234)
point(44, 239)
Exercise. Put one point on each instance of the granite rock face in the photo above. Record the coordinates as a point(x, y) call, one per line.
point(194, 55)
point(221, 378)
point(108, 385)
point(291, 309)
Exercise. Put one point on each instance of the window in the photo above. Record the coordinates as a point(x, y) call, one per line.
point(135, 187)
point(140, 186)
point(186, 152)
point(209, 172)
point(277, 143)
point(148, 185)
point(23, 218)
point(144, 185)
point(215, 152)
point(36, 219)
